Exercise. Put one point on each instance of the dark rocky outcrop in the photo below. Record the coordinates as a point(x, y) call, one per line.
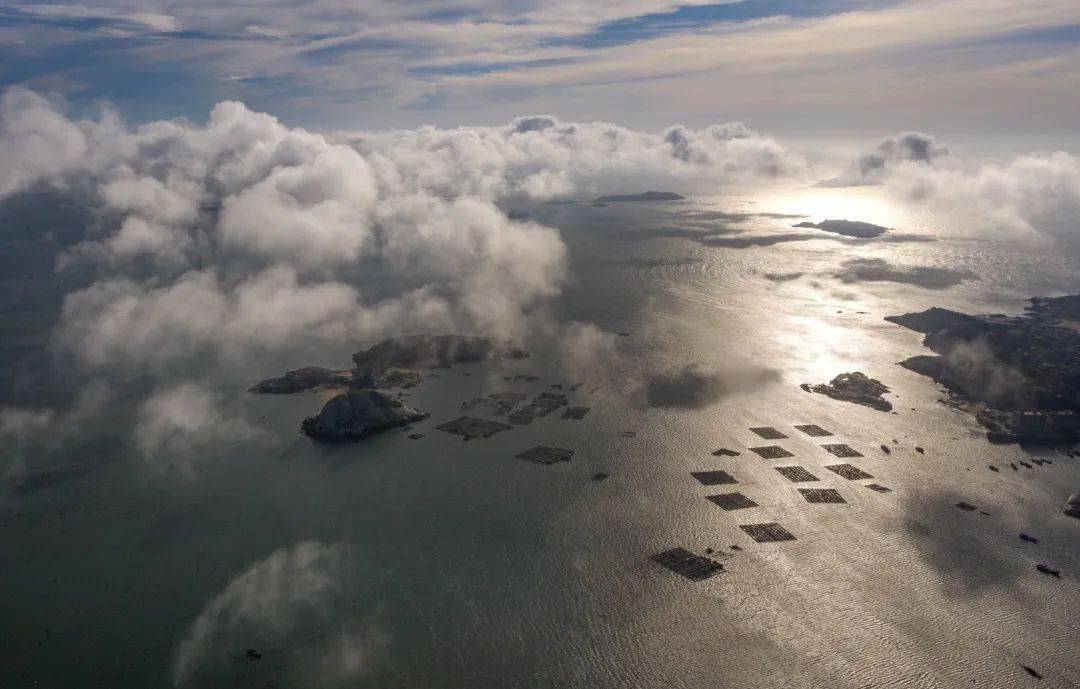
point(934, 319)
point(359, 414)
point(854, 387)
point(307, 378)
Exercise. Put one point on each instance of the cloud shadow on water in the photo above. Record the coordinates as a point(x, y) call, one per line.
point(747, 241)
point(880, 270)
point(691, 387)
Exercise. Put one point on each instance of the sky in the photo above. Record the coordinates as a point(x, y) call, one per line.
point(988, 71)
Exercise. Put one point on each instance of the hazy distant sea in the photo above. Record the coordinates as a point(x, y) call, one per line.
point(453, 564)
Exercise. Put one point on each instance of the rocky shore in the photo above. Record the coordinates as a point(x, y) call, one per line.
point(1019, 375)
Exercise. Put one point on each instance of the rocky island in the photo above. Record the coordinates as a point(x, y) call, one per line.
point(643, 196)
point(1019, 375)
point(359, 414)
point(848, 228)
point(307, 378)
point(393, 363)
point(854, 387)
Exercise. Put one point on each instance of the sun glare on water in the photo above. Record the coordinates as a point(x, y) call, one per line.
point(865, 204)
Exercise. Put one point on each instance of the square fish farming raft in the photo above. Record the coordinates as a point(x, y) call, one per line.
point(770, 532)
point(694, 567)
point(822, 495)
point(768, 433)
point(813, 430)
point(714, 478)
point(542, 454)
point(470, 427)
point(796, 474)
point(542, 405)
point(499, 403)
point(841, 450)
point(731, 501)
point(771, 452)
point(849, 471)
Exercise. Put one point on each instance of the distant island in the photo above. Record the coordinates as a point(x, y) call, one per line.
point(848, 228)
point(643, 196)
point(1019, 375)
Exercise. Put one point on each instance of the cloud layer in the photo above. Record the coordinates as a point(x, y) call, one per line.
point(1029, 197)
point(874, 166)
point(222, 250)
point(1033, 197)
point(178, 425)
point(246, 217)
point(691, 387)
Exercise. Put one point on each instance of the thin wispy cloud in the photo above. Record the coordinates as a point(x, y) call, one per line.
point(118, 21)
point(402, 64)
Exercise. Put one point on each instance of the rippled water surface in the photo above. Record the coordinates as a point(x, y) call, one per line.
point(468, 567)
